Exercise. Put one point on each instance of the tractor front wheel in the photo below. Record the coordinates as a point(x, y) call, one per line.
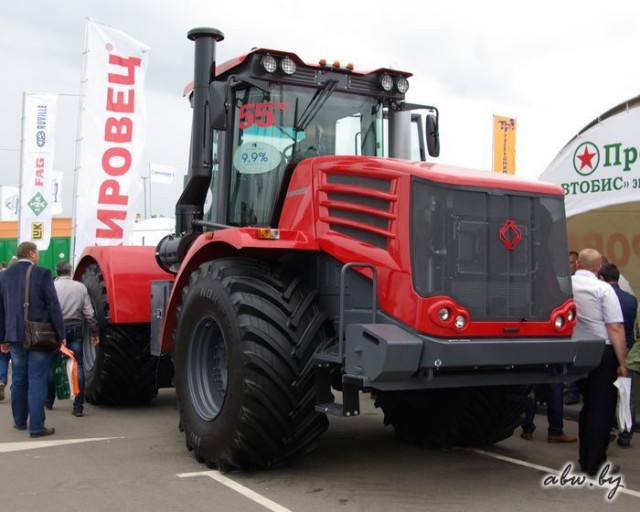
point(247, 332)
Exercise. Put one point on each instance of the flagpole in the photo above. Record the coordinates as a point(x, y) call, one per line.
point(83, 81)
point(144, 194)
point(149, 171)
point(493, 145)
point(22, 137)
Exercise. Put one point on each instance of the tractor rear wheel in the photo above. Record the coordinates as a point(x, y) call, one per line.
point(244, 372)
point(444, 418)
point(120, 370)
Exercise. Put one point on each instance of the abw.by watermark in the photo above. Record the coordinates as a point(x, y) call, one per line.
point(610, 483)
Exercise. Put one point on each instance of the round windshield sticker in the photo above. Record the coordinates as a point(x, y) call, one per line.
point(256, 158)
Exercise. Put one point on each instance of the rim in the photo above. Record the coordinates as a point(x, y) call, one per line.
point(207, 368)
point(88, 351)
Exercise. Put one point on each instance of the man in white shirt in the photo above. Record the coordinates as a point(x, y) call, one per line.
point(599, 313)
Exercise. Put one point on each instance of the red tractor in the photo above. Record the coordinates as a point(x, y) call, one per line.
point(316, 252)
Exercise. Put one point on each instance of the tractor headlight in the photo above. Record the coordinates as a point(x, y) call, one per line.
point(559, 322)
point(461, 322)
point(444, 314)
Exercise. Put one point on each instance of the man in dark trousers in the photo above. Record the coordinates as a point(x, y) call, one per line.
point(598, 313)
point(29, 369)
point(5, 357)
point(76, 307)
point(611, 274)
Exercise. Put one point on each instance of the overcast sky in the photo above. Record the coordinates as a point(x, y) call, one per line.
point(553, 65)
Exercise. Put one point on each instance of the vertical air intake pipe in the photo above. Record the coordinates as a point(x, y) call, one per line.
point(190, 206)
point(191, 203)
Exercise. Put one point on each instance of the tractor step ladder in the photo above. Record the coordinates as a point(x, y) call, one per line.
point(331, 360)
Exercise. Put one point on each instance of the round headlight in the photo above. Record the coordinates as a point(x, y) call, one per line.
point(386, 82)
point(288, 66)
point(402, 84)
point(559, 322)
point(269, 63)
point(461, 321)
point(571, 315)
point(444, 314)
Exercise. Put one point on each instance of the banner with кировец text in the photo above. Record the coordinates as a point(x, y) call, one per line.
point(108, 189)
point(38, 142)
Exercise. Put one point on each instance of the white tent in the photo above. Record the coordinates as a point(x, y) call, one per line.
point(599, 170)
point(151, 231)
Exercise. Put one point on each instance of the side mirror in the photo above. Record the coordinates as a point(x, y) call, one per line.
point(217, 105)
point(433, 137)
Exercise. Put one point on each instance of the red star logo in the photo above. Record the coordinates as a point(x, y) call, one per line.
point(585, 158)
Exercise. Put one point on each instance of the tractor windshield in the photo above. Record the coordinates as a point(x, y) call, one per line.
point(277, 127)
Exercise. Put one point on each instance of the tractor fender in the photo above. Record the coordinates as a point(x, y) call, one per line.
point(243, 242)
point(127, 272)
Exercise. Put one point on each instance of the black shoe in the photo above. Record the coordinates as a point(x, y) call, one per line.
point(78, 414)
point(571, 400)
point(44, 433)
point(624, 442)
point(19, 428)
point(48, 406)
point(607, 469)
point(614, 469)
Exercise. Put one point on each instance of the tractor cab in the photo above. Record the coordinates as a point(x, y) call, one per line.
point(274, 111)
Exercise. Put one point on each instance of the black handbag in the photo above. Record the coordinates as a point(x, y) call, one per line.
point(38, 336)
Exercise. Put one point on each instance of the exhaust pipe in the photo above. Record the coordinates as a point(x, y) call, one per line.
point(171, 249)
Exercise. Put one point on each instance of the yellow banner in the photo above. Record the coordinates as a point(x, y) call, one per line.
point(504, 145)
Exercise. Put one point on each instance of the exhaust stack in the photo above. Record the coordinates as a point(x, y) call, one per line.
point(190, 206)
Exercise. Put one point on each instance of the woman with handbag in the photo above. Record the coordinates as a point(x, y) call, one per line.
point(30, 313)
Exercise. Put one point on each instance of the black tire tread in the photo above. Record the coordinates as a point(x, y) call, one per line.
point(281, 327)
point(125, 372)
point(456, 417)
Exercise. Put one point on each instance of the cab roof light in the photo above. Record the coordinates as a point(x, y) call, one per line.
point(402, 84)
point(288, 66)
point(269, 63)
point(386, 82)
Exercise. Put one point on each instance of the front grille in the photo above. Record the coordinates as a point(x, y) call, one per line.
point(359, 207)
point(501, 255)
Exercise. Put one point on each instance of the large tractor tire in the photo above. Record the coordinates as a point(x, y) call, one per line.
point(462, 417)
point(120, 370)
point(244, 372)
